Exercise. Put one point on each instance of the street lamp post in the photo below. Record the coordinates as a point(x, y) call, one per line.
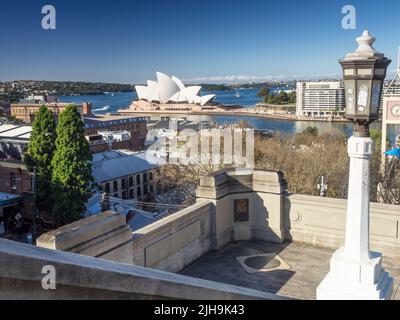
point(356, 273)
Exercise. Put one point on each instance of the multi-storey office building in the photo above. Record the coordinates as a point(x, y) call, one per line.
point(315, 99)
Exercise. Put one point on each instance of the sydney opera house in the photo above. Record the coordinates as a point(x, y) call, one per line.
point(169, 94)
point(171, 90)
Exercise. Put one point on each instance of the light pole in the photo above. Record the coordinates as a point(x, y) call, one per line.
point(322, 187)
point(356, 273)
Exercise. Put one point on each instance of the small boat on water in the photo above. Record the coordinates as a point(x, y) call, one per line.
point(237, 95)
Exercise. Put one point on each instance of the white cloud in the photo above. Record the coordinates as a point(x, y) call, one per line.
point(250, 78)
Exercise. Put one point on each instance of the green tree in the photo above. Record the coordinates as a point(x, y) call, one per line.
point(72, 169)
point(376, 136)
point(39, 155)
point(264, 93)
point(313, 131)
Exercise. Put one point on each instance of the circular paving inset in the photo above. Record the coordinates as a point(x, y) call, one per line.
point(263, 262)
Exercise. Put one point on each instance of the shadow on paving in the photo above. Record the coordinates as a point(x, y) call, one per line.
point(222, 266)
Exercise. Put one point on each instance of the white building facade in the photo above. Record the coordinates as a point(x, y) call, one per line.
point(125, 174)
point(316, 99)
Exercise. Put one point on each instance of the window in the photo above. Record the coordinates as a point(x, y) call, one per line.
point(123, 182)
point(107, 187)
point(151, 176)
point(130, 181)
point(145, 177)
point(151, 188)
point(131, 196)
point(139, 192)
point(123, 194)
point(145, 190)
point(138, 179)
point(13, 181)
point(115, 185)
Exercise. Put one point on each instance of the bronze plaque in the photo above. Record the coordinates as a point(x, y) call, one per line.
point(241, 210)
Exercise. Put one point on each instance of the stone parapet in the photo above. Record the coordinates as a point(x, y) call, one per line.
point(105, 236)
point(84, 278)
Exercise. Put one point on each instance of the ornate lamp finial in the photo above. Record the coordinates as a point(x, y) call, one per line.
point(365, 49)
point(365, 43)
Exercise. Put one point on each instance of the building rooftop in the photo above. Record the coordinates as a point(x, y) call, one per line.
point(30, 103)
point(302, 268)
point(15, 131)
point(7, 198)
point(120, 163)
point(104, 121)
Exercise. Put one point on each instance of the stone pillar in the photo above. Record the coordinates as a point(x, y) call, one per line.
point(270, 187)
point(259, 191)
point(105, 202)
point(355, 272)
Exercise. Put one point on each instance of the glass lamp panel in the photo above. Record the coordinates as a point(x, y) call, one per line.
point(349, 72)
point(351, 94)
point(376, 96)
point(364, 72)
point(363, 98)
point(380, 72)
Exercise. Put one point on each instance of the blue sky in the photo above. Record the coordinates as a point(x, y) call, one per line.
point(207, 40)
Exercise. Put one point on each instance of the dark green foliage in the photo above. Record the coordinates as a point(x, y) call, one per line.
point(264, 92)
point(313, 131)
point(39, 155)
point(376, 136)
point(280, 98)
point(72, 174)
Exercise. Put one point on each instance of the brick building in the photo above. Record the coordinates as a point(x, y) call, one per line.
point(26, 111)
point(107, 132)
point(15, 180)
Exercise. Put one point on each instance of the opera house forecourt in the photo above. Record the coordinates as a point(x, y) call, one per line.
point(170, 95)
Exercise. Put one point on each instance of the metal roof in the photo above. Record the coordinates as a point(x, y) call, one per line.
point(15, 131)
point(121, 163)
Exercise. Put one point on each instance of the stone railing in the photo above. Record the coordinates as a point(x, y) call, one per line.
point(322, 221)
point(81, 277)
point(175, 241)
point(105, 236)
point(232, 205)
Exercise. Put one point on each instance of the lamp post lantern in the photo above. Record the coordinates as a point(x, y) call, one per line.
point(356, 273)
point(364, 72)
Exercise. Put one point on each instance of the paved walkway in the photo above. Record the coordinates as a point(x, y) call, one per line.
point(309, 265)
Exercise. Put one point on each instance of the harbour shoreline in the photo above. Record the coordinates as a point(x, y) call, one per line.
point(228, 113)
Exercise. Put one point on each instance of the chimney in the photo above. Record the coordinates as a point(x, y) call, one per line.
point(87, 108)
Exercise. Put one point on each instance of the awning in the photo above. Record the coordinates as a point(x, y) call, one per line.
point(7, 199)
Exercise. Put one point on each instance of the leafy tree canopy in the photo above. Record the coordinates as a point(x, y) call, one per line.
point(72, 168)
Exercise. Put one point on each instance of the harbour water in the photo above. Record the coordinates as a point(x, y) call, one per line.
point(111, 102)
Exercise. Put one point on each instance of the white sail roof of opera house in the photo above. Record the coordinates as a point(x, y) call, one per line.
point(171, 89)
